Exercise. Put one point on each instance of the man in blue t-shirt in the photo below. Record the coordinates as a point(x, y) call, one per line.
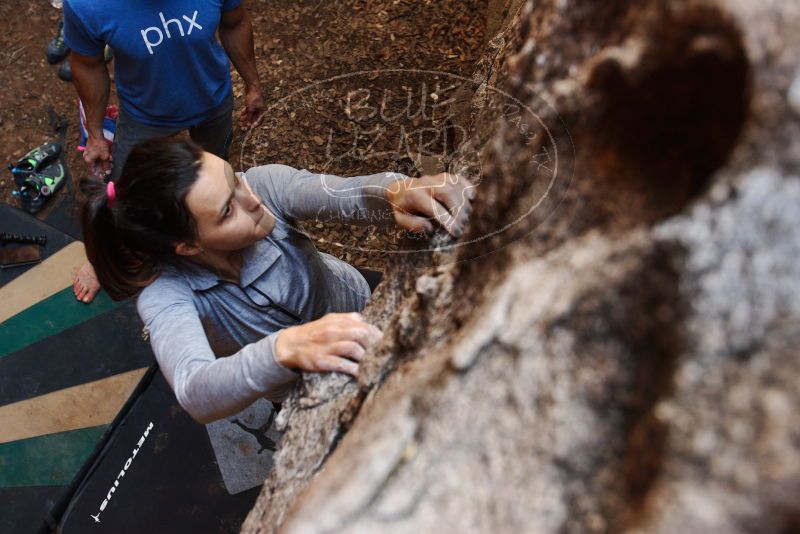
point(171, 75)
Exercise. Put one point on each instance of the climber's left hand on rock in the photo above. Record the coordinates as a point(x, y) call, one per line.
point(444, 198)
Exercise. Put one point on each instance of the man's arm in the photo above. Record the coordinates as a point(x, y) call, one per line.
point(236, 36)
point(90, 76)
point(91, 80)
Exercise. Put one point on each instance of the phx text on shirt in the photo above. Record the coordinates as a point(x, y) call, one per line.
point(178, 24)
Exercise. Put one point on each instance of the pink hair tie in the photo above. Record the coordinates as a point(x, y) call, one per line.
point(112, 194)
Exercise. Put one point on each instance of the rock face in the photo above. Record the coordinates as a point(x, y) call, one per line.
point(623, 356)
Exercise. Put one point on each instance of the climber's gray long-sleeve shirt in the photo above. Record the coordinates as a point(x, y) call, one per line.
point(192, 317)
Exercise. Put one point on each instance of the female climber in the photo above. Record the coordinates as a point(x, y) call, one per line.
point(235, 299)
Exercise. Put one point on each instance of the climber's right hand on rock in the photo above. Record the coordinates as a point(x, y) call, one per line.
point(443, 198)
point(97, 156)
point(334, 343)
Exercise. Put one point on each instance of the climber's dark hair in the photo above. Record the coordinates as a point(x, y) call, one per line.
point(129, 243)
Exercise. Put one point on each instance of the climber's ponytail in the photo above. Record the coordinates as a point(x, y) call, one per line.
point(131, 228)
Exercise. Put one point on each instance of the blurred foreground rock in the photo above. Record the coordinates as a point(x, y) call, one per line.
point(625, 356)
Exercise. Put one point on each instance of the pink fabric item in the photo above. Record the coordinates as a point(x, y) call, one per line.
point(112, 194)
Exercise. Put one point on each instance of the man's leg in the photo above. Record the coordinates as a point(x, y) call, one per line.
point(216, 133)
point(128, 134)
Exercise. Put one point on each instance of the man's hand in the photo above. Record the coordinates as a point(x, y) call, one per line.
point(334, 343)
point(97, 156)
point(236, 36)
point(444, 198)
point(254, 108)
point(90, 76)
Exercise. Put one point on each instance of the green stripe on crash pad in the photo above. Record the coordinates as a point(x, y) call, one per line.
point(48, 317)
point(47, 460)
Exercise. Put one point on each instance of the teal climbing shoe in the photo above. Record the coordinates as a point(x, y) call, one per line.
point(37, 158)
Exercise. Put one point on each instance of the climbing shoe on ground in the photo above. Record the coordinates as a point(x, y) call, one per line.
point(57, 49)
point(36, 188)
point(65, 71)
point(36, 159)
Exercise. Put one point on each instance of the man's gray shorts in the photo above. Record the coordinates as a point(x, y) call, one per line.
point(214, 135)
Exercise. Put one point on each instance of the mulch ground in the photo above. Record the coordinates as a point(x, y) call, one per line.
point(298, 44)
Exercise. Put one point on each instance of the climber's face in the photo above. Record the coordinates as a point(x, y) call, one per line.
point(228, 215)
